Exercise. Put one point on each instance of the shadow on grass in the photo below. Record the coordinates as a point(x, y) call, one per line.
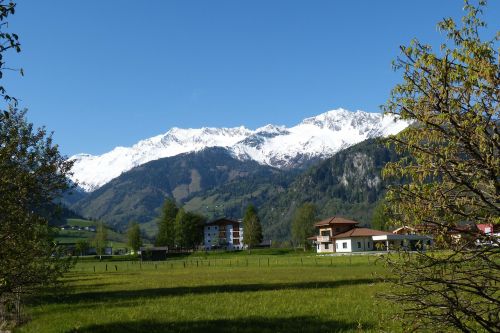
point(117, 295)
point(77, 277)
point(244, 325)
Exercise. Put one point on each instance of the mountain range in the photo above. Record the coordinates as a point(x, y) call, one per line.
point(311, 140)
point(224, 170)
point(214, 183)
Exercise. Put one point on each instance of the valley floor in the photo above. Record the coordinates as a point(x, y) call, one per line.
point(241, 293)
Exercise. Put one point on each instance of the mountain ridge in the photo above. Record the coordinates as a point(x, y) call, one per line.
point(312, 139)
point(137, 194)
point(213, 183)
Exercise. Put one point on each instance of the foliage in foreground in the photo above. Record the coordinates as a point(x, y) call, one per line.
point(453, 174)
point(33, 176)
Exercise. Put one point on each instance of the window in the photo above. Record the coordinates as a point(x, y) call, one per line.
point(369, 245)
point(326, 246)
point(317, 246)
point(344, 245)
point(336, 245)
point(325, 232)
point(359, 245)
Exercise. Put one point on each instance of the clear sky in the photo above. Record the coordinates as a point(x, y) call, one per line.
point(108, 73)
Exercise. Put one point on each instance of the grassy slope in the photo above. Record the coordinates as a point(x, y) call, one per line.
point(118, 240)
point(292, 294)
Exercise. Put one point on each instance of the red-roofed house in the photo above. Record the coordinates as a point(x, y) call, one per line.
point(486, 229)
point(357, 240)
point(337, 234)
point(328, 228)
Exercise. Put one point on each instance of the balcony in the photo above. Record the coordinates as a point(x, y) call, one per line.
point(323, 239)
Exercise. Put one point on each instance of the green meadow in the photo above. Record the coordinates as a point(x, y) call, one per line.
point(267, 291)
point(116, 240)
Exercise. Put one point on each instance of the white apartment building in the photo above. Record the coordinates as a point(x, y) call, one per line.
point(223, 234)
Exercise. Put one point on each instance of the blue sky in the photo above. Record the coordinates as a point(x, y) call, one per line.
point(108, 73)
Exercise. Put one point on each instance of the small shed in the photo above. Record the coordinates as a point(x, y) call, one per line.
point(156, 253)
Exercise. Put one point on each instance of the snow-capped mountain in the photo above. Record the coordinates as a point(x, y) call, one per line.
point(316, 137)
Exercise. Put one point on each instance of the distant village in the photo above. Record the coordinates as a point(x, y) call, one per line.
point(334, 235)
point(91, 228)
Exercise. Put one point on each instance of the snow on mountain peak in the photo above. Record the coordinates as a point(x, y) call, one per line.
point(315, 137)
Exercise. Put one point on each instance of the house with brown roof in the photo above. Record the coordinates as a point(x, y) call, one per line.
point(338, 234)
point(358, 240)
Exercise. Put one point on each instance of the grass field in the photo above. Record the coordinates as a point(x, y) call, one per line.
point(116, 240)
point(226, 293)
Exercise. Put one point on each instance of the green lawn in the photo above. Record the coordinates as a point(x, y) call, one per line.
point(240, 293)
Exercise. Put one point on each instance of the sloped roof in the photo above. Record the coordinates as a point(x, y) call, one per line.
point(334, 220)
point(362, 232)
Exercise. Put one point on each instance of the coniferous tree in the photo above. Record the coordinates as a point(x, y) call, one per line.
point(166, 222)
point(252, 229)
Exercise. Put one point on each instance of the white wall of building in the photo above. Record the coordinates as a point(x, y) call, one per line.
point(211, 237)
point(325, 248)
point(210, 233)
point(343, 245)
point(354, 244)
